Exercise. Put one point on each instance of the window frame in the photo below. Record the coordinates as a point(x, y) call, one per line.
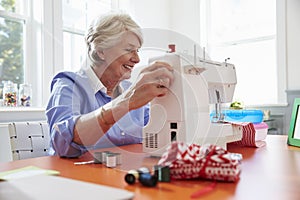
point(43, 53)
point(75, 31)
point(39, 31)
point(22, 19)
point(281, 63)
point(53, 59)
point(43, 45)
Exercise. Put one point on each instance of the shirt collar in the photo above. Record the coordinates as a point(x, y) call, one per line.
point(94, 80)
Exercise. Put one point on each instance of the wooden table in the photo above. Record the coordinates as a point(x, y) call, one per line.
point(270, 172)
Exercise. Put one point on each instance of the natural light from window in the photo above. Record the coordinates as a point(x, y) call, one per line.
point(77, 15)
point(245, 31)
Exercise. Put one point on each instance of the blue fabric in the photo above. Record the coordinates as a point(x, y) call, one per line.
point(72, 96)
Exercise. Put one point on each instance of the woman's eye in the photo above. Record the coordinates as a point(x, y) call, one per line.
point(132, 50)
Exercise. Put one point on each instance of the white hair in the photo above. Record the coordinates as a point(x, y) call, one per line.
point(106, 31)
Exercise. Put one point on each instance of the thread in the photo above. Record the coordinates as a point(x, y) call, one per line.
point(111, 160)
point(143, 175)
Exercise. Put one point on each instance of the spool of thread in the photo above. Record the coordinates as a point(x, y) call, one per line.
point(111, 160)
point(132, 176)
point(143, 170)
point(119, 158)
point(146, 179)
point(97, 157)
point(104, 154)
point(162, 173)
point(143, 175)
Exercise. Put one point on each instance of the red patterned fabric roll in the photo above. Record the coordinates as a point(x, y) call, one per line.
point(208, 162)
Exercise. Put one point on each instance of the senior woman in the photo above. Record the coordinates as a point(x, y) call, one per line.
point(97, 107)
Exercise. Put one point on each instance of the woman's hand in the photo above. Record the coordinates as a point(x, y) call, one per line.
point(153, 81)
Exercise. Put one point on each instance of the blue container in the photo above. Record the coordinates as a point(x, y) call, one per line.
point(254, 116)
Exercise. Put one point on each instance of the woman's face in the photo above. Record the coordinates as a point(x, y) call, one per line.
point(121, 59)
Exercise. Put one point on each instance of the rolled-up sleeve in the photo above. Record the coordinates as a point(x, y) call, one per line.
point(62, 112)
point(62, 136)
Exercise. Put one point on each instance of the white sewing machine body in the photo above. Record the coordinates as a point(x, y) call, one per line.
point(184, 113)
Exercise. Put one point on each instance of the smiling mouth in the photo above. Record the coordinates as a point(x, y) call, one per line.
point(128, 67)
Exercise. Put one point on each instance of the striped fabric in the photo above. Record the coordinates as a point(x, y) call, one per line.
point(248, 138)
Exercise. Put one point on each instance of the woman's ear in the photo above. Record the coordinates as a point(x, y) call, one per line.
point(101, 55)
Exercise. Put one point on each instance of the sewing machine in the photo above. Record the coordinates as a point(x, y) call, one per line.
point(184, 113)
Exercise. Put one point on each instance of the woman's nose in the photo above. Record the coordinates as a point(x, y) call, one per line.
point(135, 57)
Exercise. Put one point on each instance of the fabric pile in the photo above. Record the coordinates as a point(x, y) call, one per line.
point(207, 162)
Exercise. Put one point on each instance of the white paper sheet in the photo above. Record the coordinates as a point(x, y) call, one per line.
point(55, 188)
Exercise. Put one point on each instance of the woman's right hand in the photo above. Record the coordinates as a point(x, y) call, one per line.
point(153, 81)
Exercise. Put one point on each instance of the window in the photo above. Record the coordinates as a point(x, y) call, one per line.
point(245, 31)
point(77, 15)
point(12, 36)
point(38, 38)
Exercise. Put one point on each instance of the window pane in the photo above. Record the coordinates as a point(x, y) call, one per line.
point(245, 31)
point(74, 47)
point(17, 6)
point(77, 15)
point(233, 20)
point(97, 7)
point(256, 71)
point(11, 51)
point(74, 14)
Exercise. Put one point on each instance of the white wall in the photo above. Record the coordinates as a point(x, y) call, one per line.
point(293, 44)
